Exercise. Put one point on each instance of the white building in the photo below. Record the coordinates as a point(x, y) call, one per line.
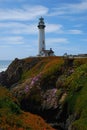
point(42, 47)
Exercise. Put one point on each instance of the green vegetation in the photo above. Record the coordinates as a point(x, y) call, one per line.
point(69, 76)
point(9, 110)
point(46, 66)
point(13, 118)
point(45, 80)
point(77, 97)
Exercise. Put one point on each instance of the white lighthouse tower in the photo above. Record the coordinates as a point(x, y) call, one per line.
point(41, 27)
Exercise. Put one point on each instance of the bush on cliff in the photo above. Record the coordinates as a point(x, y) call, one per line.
point(77, 97)
point(13, 118)
point(56, 85)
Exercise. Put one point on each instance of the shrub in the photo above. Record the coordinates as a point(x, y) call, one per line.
point(15, 108)
point(80, 124)
point(77, 97)
point(61, 81)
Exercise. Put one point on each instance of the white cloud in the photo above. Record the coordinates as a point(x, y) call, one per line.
point(11, 40)
point(21, 28)
point(54, 28)
point(56, 40)
point(25, 13)
point(69, 9)
point(80, 7)
point(75, 31)
point(56, 12)
point(18, 28)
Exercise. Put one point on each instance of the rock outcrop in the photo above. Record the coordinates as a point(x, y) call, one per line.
point(49, 87)
point(15, 70)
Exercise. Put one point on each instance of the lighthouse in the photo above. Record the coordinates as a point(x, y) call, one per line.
point(41, 27)
point(41, 45)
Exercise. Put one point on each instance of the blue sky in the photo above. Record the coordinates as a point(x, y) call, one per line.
point(66, 27)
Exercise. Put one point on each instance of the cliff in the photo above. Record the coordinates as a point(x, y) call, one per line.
point(13, 118)
point(52, 87)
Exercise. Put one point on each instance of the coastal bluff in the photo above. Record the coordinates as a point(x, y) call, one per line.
point(52, 87)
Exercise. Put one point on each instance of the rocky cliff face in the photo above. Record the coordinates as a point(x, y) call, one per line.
point(15, 70)
point(50, 87)
point(13, 118)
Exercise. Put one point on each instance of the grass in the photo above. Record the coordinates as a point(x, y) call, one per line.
point(80, 124)
point(77, 97)
point(53, 74)
point(44, 64)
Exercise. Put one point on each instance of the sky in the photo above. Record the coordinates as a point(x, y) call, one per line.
point(65, 32)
